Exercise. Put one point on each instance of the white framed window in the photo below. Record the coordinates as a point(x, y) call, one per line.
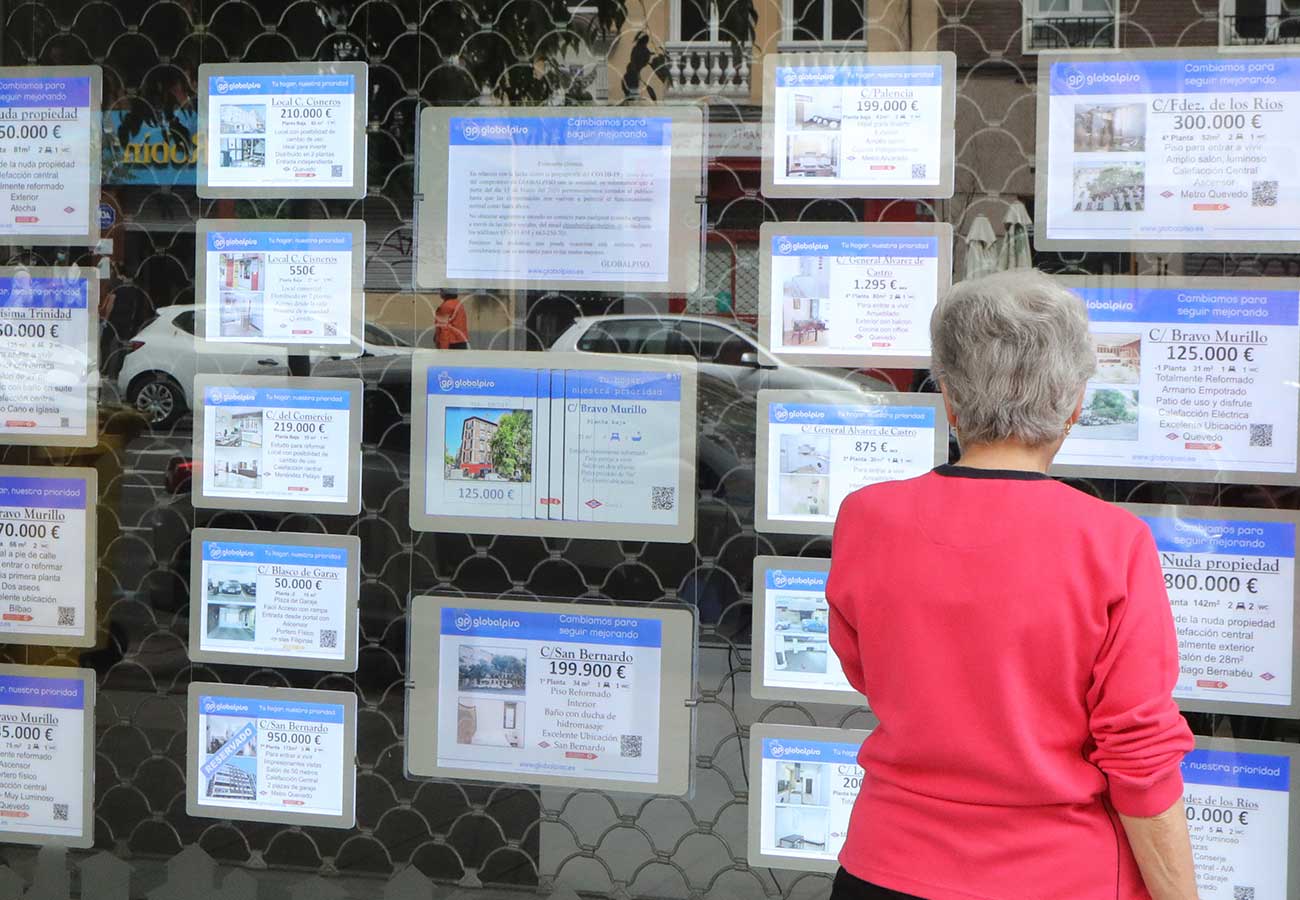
point(1070, 25)
point(824, 21)
point(1259, 22)
point(695, 21)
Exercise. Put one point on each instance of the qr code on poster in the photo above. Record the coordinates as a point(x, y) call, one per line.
point(60, 812)
point(629, 746)
point(331, 329)
point(327, 481)
point(1243, 893)
point(67, 616)
point(1263, 193)
point(329, 638)
point(662, 498)
point(336, 171)
point(1261, 435)
point(918, 170)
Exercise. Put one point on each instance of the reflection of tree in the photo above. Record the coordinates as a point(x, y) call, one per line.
point(512, 446)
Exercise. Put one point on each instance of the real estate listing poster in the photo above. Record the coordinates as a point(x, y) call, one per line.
point(1243, 818)
point(803, 783)
point(279, 130)
point(278, 444)
point(49, 356)
point(293, 284)
point(560, 198)
point(815, 448)
point(793, 658)
point(1197, 380)
point(554, 444)
point(50, 136)
point(583, 695)
point(1169, 150)
point(859, 124)
point(1230, 575)
point(47, 756)
point(851, 294)
point(275, 599)
point(271, 754)
point(48, 560)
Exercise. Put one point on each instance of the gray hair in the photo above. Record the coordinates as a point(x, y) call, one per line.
point(1013, 352)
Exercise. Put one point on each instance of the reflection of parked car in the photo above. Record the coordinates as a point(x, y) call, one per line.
point(782, 626)
point(162, 359)
point(723, 348)
point(249, 588)
point(231, 587)
point(814, 626)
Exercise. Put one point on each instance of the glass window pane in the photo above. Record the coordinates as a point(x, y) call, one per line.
point(807, 24)
point(695, 20)
point(848, 20)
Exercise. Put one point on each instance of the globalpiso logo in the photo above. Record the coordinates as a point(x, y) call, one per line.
point(781, 414)
point(223, 86)
point(1072, 76)
point(779, 579)
point(445, 381)
point(776, 749)
point(785, 246)
point(464, 622)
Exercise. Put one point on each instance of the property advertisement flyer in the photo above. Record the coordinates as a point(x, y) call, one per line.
point(276, 599)
point(563, 198)
point(1153, 150)
point(267, 443)
point(858, 128)
point(1241, 815)
point(512, 182)
point(47, 555)
point(1230, 575)
point(852, 299)
point(792, 619)
point(272, 755)
point(807, 782)
point(46, 755)
point(263, 284)
point(814, 454)
point(49, 154)
point(49, 355)
point(556, 450)
point(1196, 381)
point(269, 129)
point(571, 694)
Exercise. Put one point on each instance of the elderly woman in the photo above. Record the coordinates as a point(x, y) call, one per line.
point(1014, 638)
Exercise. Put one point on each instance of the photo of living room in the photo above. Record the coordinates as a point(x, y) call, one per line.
point(803, 299)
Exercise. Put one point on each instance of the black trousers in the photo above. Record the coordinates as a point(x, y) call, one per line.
point(850, 887)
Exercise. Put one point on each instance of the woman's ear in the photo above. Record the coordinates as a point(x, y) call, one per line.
point(947, 405)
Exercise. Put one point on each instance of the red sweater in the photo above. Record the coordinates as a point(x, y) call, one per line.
point(1014, 638)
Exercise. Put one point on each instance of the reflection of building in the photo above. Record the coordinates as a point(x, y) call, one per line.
point(233, 783)
point(243, 119)
point(476, 446)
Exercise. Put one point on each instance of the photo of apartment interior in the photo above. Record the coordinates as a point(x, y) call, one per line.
point(1110, 128)
point(812, 155)
point(803, 298)
point(809, 111)
point(802, 814)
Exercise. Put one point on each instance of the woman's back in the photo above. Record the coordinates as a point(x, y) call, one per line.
point(990, 618)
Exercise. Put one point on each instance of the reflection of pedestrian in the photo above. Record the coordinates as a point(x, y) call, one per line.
point(451, 323)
